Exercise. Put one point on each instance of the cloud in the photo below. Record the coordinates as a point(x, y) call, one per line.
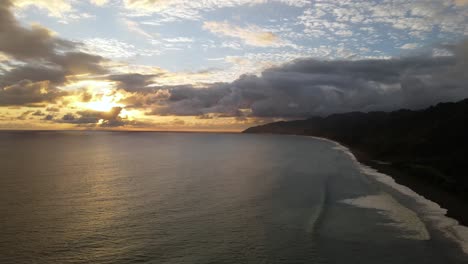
point(173, 10)
point(99, 2)
point(38, 113)
point(310, 87)
point(102, 119)
point(251, 35)
point(61, 9)
point(42, 62)
point(56, 70)
point(377, 21)
point(23, 43)
point(74, 63)
point(132, 81)
point(461, 2)
point(27, 92)
point(55, 8)
point(24, 115)
point(37, 66)
point(179, 40)
point(109, 48)
point(34, 73)
point(38, 45)
point(147, 99)
point(410, 46)
point(136, 28)
point(48, 117)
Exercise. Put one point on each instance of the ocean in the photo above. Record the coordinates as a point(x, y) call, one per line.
point(146, 197)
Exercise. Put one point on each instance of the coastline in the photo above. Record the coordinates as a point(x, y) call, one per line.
point(435, 201)
point(455, 205)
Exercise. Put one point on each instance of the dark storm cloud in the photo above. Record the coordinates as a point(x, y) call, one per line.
point(311, 87)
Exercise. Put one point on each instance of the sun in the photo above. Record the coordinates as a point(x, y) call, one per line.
point(104, 102)
point(104, 105)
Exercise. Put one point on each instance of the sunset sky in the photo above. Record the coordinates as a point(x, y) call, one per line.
point(223, 64)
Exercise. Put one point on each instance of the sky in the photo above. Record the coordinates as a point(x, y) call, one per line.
point(224, 65)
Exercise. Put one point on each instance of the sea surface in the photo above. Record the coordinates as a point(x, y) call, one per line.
point(142, 197)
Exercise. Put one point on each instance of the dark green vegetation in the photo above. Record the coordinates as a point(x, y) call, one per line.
point(430, 144)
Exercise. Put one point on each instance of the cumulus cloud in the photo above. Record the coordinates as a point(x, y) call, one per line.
point(251, 35)
point(132, 81)
point(37, 43)
point(26, 43)
point(46, 61)
point(34, 82)
point(310, 87)
point(27, 92)
point(34, 73)
point(89, 117)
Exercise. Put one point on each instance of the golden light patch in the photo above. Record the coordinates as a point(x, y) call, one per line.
point(96, 86)
point(461, 2)
point(55, 8)
point(4, 57)
point(251, 35)
point(105, 103)
point(267, 37)
point(44, 87)
point(130, 114)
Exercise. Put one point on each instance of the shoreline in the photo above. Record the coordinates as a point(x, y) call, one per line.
point(444, 210)
point(455, 205)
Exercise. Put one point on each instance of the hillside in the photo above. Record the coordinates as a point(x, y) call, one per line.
point(431, 144)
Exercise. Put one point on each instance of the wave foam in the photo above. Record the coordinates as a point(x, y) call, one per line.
point(430, 211)
point(403, 217)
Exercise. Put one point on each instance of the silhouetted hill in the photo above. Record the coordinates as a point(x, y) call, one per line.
point(431, 143)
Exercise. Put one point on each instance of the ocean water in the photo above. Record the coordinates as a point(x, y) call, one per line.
point(138, 197)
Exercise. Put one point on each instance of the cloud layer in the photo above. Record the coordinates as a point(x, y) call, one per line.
point(309, 87)
point(41, 61)
point(196, 64)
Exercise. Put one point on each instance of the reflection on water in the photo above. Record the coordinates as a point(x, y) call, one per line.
point(102, 197)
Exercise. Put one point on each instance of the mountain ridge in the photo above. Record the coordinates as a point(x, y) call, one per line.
point(431, 144)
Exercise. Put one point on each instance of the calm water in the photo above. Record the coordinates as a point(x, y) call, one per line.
point(103, 197)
